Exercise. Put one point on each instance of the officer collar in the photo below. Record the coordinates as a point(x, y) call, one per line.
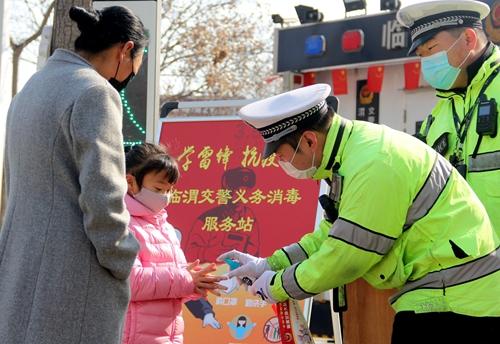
point(474, 66)
point(472, 72)
point(335, 142)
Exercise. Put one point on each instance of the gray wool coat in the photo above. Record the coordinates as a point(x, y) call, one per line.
point(65, 251)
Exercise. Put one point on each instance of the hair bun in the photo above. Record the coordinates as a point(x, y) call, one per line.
point(86, 20)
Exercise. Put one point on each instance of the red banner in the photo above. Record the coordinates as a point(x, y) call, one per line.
point(283, 313)
point(227, 198)
point(309, 79)
point(412, 75)
point(375, 78)
point(339, 81)
point(293, 325)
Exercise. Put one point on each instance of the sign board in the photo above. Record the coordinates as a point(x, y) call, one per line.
point(367, 103)
point(385, 40)
point(227, 198)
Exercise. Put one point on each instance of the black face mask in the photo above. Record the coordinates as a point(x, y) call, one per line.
point(120, 85)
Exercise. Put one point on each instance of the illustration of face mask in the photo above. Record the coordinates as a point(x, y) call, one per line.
point(294, 172)
point(153, 200)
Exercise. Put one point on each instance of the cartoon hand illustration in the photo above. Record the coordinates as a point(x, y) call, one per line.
point(209, 319)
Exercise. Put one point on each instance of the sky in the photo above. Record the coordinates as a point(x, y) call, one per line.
point(331, 9)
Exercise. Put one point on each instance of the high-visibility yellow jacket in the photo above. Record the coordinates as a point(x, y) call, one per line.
point(407, 220)
point(440, 129)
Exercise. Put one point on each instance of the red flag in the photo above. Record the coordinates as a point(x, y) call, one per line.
point(309, 78)
point(339, 81)
point(375, 78)
point(412, 75)
point(298, 80)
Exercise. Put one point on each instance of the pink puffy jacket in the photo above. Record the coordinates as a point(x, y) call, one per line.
point(159, 282)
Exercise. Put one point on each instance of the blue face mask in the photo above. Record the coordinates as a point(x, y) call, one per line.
point(437, 70)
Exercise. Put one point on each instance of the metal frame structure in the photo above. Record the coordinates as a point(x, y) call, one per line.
point(150, 14)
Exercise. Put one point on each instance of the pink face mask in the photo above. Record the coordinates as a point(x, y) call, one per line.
point(153, 200)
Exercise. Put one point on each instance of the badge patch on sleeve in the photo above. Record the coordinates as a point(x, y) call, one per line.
point(441, 144)
point(336, 188)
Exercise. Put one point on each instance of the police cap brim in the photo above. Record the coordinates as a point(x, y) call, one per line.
point(421, 40)
point(271, 147)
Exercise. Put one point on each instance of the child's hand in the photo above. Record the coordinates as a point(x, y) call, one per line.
point(203, 281)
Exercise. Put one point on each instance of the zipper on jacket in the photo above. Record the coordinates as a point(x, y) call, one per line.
point(174, 330)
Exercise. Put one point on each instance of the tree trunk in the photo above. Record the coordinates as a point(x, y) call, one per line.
point(65, 31)
point(16, 56)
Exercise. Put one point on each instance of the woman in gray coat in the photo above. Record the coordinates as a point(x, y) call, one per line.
point(65, 252)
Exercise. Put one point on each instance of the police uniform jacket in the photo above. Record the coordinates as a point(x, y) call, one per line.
point(407, 220)
point(443, 126)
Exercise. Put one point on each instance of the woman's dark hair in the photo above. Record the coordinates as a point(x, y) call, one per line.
point(102, 29)
point(243, 319)
point(144, 158)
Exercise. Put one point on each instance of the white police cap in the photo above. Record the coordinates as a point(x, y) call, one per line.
point(285, 113)
point(425, 19)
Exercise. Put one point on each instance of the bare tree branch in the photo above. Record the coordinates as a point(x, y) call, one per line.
point(174, 60)
point(39, 30)
point(18, 47)
point(30, 9)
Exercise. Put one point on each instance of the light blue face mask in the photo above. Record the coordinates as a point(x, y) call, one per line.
point(437, 70)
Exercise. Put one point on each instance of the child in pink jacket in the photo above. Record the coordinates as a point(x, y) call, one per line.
point(161, 280)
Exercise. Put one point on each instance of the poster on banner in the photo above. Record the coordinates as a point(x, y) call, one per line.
point(367, 103)
point(227, 198)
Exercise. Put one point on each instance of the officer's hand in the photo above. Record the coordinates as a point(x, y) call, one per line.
point(251, 267)
point(262, 287)
point(231, 284)
point(209, 319)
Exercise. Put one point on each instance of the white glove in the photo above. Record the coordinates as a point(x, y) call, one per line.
point(251, 267)
point(210, 320)
point(231, 284)
point(262, 287)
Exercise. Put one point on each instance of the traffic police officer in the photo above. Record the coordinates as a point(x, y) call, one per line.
point(463, 66)
point(406, 220)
